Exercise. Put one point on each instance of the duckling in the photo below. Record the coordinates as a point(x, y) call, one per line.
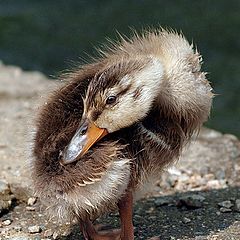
point(115, 125)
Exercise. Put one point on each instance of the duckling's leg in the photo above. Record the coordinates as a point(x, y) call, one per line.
point(87, 229)
point(125, 206)
point(126, 232)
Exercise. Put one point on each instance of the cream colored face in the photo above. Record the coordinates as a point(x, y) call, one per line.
point(128, 101)
point(123, 109)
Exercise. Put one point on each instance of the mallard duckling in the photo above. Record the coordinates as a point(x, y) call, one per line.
point(115, 125)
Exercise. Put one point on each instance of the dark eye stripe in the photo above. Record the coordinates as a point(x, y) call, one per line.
point(95, 115)
point(123, 91)
point(137, 93)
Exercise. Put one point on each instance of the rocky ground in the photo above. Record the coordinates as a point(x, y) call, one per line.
point(199, 198)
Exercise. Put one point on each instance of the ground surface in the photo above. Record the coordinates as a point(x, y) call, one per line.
point(188, 202)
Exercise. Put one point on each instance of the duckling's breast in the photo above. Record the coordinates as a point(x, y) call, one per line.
point(92, 185)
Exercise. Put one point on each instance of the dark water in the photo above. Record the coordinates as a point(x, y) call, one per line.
point(50, 35)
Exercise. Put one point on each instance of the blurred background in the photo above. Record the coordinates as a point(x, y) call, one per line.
point(50, 35)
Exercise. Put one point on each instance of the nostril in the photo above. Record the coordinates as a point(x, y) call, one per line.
point(84, 130)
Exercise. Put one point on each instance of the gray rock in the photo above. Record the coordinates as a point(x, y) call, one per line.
point(217, 184)
point(191, 201)
point(30, 208)
point(48, 233)
point(7, 222)
point(19, 237)
point(5, 205)
point(237, 205)
point(34, 229)
point(5, 196)
point(55, 235)
point(162, 201)
point(31, 201)
point(225, 204)
point(37, 238)
point(186, 220)
point(200, 238)
point(20, 191)
point(225, 210)
point(218, 213)
point(18, 228)
point(4, 188)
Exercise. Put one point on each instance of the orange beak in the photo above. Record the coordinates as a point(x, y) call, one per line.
point(93, 134)
point(84, 138)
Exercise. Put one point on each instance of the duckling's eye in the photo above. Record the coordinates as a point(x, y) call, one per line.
point(111, 100)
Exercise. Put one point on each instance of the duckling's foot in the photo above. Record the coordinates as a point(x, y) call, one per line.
point(90, 233)
point(113, 234)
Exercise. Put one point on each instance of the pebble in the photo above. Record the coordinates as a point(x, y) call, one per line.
point(18, 228)
point(225, 204)
point(200, 238)
point(19, 191)
point(237, 205)
point(138, 216)
point(30, 208)
point(34, 229)
point(218, 213)
point(48, 233)
point(161, 202)
point(7, 222)
point(186, 220)
point(150, 210)
point(224, 209)
point(31, 201)
point(20, 237)
point(191, 201)
point(5, 205)
point(216, 184)
point(55, 235)
point(66, 232)
point(4, 188)
point(37, 238)
point(5, 196)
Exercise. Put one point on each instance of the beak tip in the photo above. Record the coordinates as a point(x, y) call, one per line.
point(81, 143)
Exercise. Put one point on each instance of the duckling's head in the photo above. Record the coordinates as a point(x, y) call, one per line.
point(118, 96)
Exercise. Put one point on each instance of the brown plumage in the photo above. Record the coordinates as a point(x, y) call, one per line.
point(149, 96)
